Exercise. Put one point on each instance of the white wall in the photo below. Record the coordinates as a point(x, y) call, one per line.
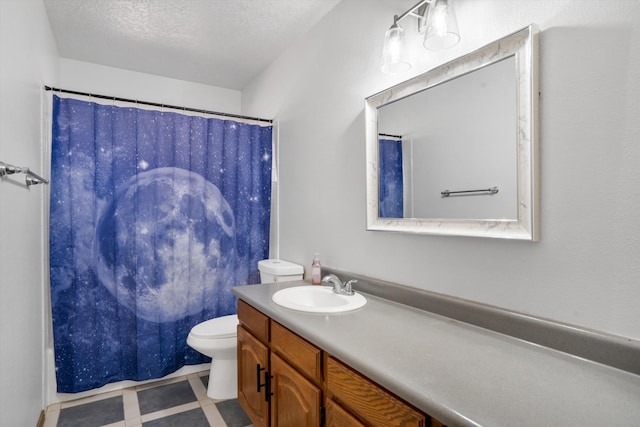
point(586, 268)
point(102, 80)
point(28, 60)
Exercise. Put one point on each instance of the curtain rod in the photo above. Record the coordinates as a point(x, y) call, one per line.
point(155, 104)
point(392, 136)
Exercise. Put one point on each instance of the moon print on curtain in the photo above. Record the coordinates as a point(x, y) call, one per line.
point(154, 217)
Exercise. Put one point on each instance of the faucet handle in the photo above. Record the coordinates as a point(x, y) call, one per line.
point(347, 287)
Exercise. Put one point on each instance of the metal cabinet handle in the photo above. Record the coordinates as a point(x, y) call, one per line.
point(267, 391)
point(258, 370)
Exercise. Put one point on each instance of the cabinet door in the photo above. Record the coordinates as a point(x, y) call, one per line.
point(252, 356)
point(295, 401)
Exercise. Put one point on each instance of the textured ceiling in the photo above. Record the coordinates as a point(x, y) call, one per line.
point(223, 43)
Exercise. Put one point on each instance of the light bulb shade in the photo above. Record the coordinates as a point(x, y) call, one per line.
point(442, 26)
point(395, 58)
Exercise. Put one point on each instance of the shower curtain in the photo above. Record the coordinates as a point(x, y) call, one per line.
point(391, 179)
point(154, 217)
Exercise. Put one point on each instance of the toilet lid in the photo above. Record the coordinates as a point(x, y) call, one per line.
point(220, 327)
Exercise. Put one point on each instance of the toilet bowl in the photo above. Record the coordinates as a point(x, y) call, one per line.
point(217, 338)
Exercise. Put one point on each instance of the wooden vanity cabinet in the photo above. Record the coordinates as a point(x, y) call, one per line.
point(279, 373)
point(283, 381)
point(368, 401)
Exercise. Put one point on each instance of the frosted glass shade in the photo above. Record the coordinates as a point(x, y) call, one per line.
point(395, 58)
point(442, 26)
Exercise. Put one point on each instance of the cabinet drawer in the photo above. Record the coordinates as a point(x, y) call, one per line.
point(297, 351)
point(254, 321)
point(370, 402)
point(338, 417)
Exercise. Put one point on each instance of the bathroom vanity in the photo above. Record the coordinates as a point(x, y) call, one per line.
point(267, 383)
point(389, 363)
point(282, 379)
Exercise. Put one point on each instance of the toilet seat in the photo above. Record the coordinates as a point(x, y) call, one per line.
point(219, 327)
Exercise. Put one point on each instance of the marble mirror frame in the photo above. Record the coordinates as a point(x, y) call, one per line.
point(523, 45)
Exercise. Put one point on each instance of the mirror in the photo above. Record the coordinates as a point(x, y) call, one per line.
point(454, 150)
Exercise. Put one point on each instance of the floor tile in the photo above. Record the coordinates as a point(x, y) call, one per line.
point(205, 380)
point(166, 396)
point(213, 415)
point(157, 383)
point(170, 411)
point(89, 399)
point(54, 407)
point(171, 403)
point(131, 406)
point(51, 418)
point(199, 389)
point(232, 413)
point(193, 418)
point(94, 414)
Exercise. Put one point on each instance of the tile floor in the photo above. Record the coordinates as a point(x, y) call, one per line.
point(177, 402)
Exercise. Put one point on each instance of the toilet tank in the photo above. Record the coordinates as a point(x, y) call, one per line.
point(277, 270)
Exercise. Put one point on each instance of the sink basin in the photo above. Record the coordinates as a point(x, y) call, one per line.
point(317, 299)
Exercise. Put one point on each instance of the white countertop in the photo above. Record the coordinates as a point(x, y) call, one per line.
point(459, 373)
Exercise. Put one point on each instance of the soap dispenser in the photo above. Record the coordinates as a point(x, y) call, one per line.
point(315, 270)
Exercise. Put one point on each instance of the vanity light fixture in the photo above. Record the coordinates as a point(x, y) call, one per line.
point(436, 19)
point(395, 58)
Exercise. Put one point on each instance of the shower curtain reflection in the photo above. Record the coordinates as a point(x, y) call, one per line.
point(154, 217)
point(391, 178)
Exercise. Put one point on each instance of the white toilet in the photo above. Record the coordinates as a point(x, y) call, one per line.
point(217, 338)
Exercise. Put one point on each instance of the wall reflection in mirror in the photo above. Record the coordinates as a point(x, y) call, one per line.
point(453, 151)
point(425, 130)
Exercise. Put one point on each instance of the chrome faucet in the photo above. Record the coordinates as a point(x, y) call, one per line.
point(338, 286)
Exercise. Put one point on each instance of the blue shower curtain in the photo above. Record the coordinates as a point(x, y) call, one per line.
point(154, 217)
point(391, 179)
